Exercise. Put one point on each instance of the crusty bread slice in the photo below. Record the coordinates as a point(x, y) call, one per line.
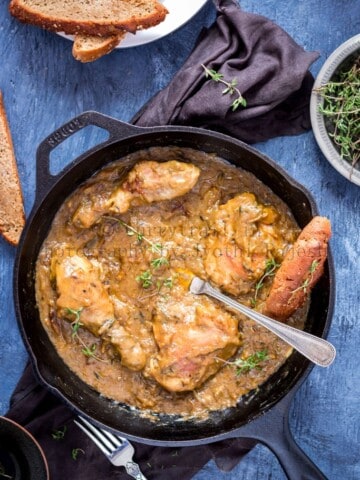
point(94, 17)
point(12, 217)
point(87, 48)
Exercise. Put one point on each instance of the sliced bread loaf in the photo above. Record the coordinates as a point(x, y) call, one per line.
point(12, 217)
point(87, 48)
point(94, 17)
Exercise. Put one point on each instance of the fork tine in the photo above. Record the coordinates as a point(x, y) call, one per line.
point(113, 438)
point(118, 450)
point(96, 436)
point(92, 437)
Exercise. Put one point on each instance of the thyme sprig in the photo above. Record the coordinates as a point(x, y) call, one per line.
point(59, 433)
point(147, 280)
point(231, 88)
point(159, 262)
point(87, 350)
point(341, 106)
point(270, 267)
point(155, 247)
point(245, 365)
point(306, 283)
point(147, 277)
point(75, 453)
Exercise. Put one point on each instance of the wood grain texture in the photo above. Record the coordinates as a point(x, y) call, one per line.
point(44, 87)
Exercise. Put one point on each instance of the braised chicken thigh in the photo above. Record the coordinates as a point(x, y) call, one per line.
point(80, 289)
point(147, 182)
point(246, 236)
point(193, 336)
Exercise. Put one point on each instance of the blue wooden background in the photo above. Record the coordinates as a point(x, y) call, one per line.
point(44, 87)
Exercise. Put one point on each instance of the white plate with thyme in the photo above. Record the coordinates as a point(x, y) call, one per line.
point(180, 12)
point(332, 95)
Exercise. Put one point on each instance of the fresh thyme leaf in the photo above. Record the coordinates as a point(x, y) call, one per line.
point(251, 362)
point(213, 74)
point(156, 248)
point(237, 103)
point(231, 88)
point(72, 311)
point(75, 453)
point(270, 266)
point(59, 433)
point(75, 328)
point(89, 351)
point(132, 233)
point(314, 266)
point(305, 285)
point(159, 262)
point(168, 282)
point(145, 278)
point(341, 107)
point(244, 365)
point(76, 324)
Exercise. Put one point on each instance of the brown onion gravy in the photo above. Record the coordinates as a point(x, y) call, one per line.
point(181, 224)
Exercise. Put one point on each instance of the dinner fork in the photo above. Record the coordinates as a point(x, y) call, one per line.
point(117, 449)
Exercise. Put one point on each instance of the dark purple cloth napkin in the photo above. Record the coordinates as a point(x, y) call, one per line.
point(270, 69)
point(42, 414)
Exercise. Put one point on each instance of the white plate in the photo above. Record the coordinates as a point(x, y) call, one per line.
point(180, 12)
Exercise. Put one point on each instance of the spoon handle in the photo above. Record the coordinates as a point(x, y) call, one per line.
point(316, 349)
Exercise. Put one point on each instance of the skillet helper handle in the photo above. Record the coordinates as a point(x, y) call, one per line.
point(116, 128)
point(273, 431)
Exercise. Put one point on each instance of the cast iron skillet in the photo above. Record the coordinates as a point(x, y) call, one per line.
point(263, 416)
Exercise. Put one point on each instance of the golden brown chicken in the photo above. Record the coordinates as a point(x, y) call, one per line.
point(147, 182)
point(79, 288)
point(129, 335)
point(246, 236)
point(81, 292)
point(194, 336)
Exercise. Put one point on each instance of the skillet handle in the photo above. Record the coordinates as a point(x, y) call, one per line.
point(273, 430)
point(117, 131)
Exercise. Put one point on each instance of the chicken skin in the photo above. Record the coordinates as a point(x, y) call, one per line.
point(193, 337)
point(189, 338)
point(245, 238)
point(147, 182)
point(79, 288)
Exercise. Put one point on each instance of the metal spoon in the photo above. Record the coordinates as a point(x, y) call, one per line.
point(316, 349)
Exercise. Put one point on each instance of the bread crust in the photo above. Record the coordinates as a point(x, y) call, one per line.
point(300, 270)
point(88, 48)
point(12, 216)
point(72, 25)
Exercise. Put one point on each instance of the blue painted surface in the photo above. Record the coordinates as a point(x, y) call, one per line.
point(44, 87)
